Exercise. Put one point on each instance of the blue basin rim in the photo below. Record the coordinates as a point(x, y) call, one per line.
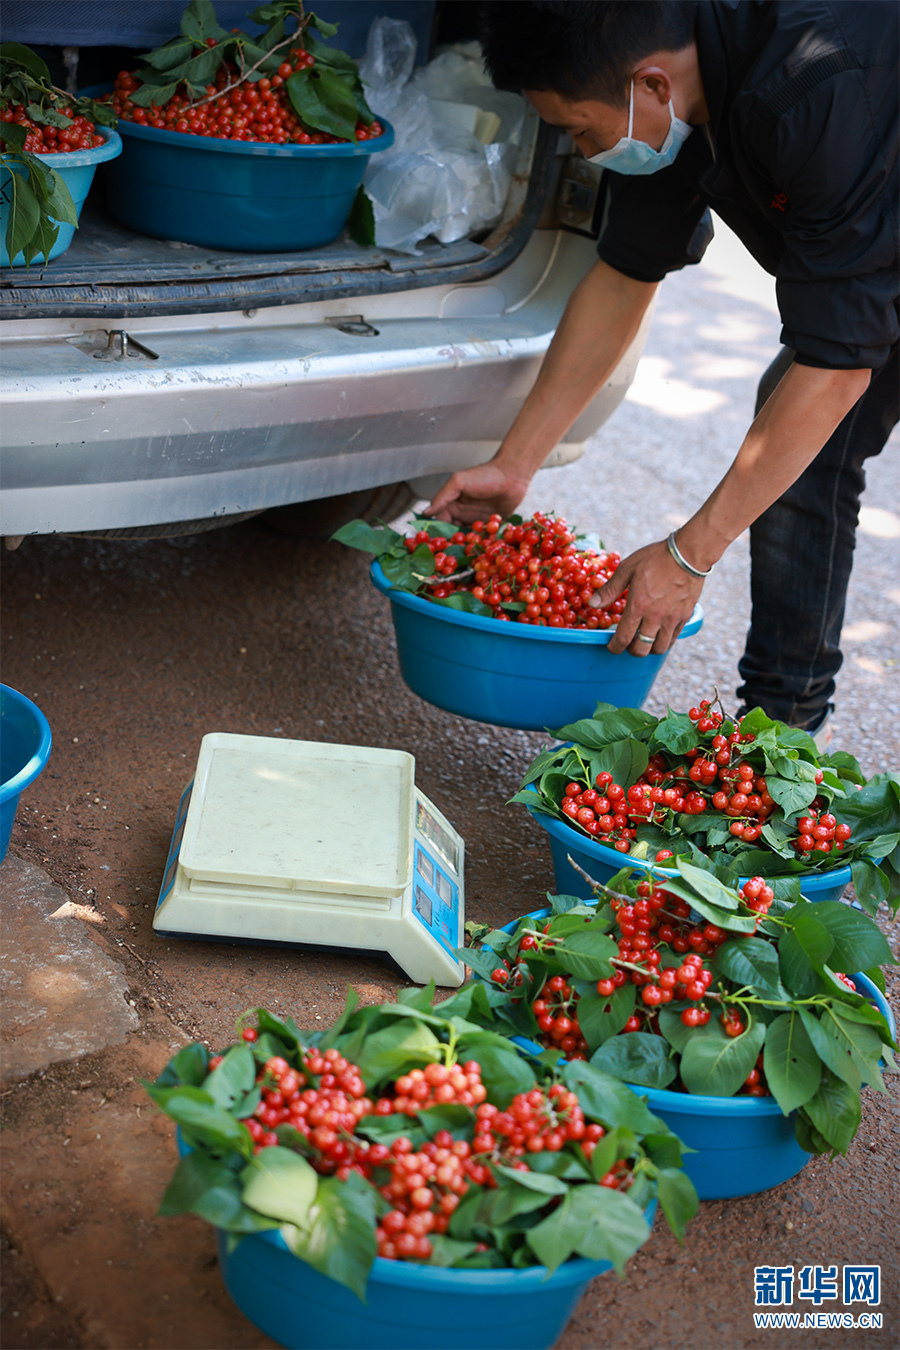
point(13, 786)
point(219, 145)
point(527, 631)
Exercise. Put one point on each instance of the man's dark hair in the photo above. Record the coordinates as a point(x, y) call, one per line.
point(580, 48)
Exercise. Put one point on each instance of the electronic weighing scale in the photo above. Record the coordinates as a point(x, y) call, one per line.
point(316, 845)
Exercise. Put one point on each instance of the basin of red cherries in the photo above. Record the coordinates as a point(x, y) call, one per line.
point(235, 110)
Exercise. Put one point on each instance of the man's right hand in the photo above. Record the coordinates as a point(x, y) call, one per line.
point(474, 494)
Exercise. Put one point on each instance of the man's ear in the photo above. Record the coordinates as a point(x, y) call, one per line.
point(656, 81)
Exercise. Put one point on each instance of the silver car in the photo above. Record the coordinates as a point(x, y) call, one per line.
point(157, 388)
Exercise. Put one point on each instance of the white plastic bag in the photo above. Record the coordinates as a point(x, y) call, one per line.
point(439, 178)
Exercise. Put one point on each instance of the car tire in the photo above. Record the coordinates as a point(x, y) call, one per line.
point(319, 519)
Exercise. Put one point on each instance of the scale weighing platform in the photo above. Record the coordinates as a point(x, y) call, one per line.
point(316, 845)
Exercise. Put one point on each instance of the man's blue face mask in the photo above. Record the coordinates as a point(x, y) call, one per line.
point(636, 157)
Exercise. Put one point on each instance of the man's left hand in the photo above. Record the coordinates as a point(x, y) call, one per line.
point(661, 599)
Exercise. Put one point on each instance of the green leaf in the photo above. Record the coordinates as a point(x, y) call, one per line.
point(60, 205)
point(587, 955)
point(600, 1018)
point(199, 21)
point(832, 1050)
point(196, 1112)
point(714, 1064)
point(447, 1251)
point(613, 1226)
point(638, 1057)
point(463, 601)
point(336, 1029)
point(359, 534)
point(750, 961)
point(280, 1184)
point(612, 724)
point(835, 1111)
point(677, 1198)
point(606, 1100)
point(458, 1120)
point(326, 29)
point(858, 941)
point(233, 1078)
point(793, 1068)
point(673, 1029)
point(862, 1040)
point(339, 1239)
point(209, 1188)
point(17, 54)
point(23, 215)
point(14, 135)
point(555, 1239)
point(792, 795)
point(404, 1044)
point(190, 1066)
point(322, 100)
point(361, 224)
point(539, 1182)
point(797, 970)
point(707, 886)
point(812, 935)
point(676, 732)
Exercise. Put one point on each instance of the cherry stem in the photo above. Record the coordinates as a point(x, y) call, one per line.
point(597, 885)
point(246, 71)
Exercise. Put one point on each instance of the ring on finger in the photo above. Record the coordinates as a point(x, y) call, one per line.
point(642, 637)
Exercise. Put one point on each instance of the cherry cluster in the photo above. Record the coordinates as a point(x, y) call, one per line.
point(820, 830)
point(706, 718)
point(327, 1115)
point(557, 1015)
point(435, 1085)
point(652, 929)
point(536, 564)
point(42, 139)
point(540, 1121)
point(249, 111)
point(424, 1189)
point(715, 776)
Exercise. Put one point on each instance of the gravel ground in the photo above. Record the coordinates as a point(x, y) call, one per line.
point(134, 651)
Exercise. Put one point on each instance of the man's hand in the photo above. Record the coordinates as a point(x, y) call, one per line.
point(661, 599)
point(474, 494)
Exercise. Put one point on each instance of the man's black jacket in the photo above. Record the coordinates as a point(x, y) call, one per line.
point(800, 158)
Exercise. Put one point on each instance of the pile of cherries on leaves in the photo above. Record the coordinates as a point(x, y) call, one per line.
point(690, 984)
point(532, 571)
point(283, 86)
point(414, 1132)
point(754, 796)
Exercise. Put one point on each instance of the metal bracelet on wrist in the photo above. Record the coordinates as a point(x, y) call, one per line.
point(682, 561)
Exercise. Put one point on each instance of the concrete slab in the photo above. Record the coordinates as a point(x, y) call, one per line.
point(63, 997)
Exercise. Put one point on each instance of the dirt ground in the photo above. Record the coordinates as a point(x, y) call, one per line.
point(135, 650)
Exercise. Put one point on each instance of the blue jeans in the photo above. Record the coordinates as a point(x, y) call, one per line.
point(802, 552)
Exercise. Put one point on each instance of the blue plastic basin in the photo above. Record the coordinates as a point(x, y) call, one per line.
point(244, 195)
point(602, 862)
point(408, 1307)
point(77, 171)
point(24, 750)
point(511, 674)
point(742, 1145)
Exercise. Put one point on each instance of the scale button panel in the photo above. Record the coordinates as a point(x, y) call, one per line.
point(436, 899)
